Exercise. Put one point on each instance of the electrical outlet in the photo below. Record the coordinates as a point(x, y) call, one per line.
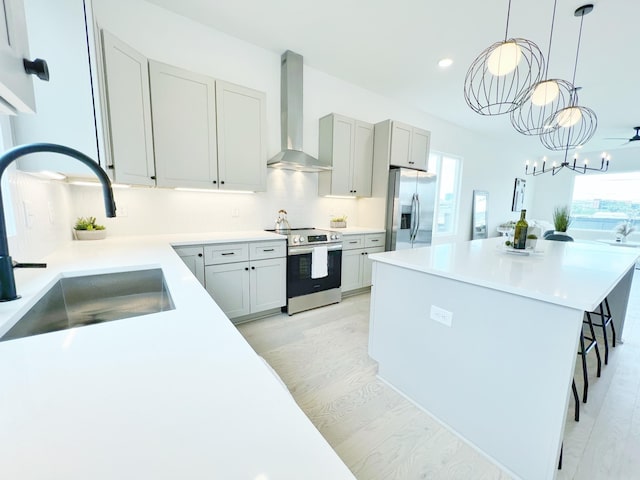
point(28, 214)
point(235, 213)
point(441, 315)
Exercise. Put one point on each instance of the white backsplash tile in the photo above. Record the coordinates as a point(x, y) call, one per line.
point(43, 219)
point(159, 210)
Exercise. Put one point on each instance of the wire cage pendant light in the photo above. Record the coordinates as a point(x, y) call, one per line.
point(573, 125)
point(501, 74)
point(538, 103)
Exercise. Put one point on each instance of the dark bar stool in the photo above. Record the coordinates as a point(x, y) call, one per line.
point(604, 313)
point(576, 416)
point(591, 343)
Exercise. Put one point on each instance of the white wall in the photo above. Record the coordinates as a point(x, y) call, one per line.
point(169, 38)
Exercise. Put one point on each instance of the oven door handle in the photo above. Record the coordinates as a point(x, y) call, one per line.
point(305, 250)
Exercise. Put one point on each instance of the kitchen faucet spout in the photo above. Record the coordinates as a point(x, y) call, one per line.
point(7, 278)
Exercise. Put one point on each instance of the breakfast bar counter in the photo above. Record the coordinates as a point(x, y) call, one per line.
point(485, 339)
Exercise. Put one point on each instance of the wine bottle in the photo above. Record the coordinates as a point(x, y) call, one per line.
point(520, 232)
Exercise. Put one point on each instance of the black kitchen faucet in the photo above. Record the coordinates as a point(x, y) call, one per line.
point(7, 279)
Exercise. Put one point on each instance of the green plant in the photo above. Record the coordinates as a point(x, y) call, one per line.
point(531, 236)
point(343, 218)
point(87, 223)
point(561, 218)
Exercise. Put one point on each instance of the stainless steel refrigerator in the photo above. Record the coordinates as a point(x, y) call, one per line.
point(411, 201)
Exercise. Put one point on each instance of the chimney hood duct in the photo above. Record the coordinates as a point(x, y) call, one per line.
point(292, 157)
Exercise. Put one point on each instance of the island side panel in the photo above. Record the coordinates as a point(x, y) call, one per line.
point(499, 376)
point(618, 301)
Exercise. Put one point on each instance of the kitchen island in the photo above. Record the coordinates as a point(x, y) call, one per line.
point(177, 394)
point(485, 340)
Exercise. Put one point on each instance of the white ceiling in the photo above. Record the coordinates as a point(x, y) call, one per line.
point(392, 47)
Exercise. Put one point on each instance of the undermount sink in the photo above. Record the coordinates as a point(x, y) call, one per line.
point(86, 300)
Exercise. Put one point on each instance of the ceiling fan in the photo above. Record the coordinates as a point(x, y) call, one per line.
point(635, 138)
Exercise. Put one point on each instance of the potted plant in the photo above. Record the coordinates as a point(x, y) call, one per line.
point(561, 219)
point(86, 228)
point(532, 240)
point(339, 222)
point(623, 230)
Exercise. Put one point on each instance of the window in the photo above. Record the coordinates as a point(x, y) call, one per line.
point(448, 169)
point(602, 202)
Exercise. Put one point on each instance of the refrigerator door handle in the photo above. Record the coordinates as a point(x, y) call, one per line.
point(412, 232)
point(417, 216)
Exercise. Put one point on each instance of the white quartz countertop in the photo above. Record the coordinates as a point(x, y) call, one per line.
point(178, 394)
point(573, 274)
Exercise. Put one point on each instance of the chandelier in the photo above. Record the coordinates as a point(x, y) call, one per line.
point(543, 98)
point(573, 125)
point(555, 168)
point(502, 73)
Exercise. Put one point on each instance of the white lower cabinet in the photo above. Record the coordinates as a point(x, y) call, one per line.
point(229, 285)
point(356, 266)
point(193, 257)
point(246, 278)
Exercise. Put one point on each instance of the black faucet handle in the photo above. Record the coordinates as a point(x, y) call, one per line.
point(29, 265)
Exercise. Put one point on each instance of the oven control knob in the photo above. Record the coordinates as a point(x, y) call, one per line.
point(302, 239)
point(296, 238)
point(334, 237)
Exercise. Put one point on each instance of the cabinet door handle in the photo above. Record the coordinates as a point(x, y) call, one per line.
point(153, 177)
point(246, 268)
point(374, 240)
point(353, 241)
point(200, 255)
point(228, 253)
point(215, 181)
point(268, 249)
point(253, 268)
point(222, 182)
point(37, 67)
point(411, 163)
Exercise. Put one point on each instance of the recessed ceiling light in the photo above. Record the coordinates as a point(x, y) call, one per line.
point(445, 62)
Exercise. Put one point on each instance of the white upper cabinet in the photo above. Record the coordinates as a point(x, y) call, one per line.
point(402, 144)
point(184, 127)
point(129, 112)
point(58, 32)
point(347, 145)
point(16, 86)
point(241, 127)
point(206, 133)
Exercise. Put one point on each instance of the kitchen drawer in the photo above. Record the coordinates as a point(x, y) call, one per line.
point(374, 240)
point(351, 242)
point(263, 250)
point(226, 253)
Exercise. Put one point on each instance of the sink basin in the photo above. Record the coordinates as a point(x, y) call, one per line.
point(85, 300)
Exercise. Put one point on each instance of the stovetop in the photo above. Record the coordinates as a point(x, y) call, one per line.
point(308, 236)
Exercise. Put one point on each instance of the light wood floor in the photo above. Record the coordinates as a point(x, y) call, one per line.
point(321, 355)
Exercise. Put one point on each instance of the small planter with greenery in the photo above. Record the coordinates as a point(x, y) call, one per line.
point(339, 222)
point(623, 230)
point(86, 228)
point(561, 219)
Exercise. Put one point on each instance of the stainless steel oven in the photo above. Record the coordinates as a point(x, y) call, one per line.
point(303, 291)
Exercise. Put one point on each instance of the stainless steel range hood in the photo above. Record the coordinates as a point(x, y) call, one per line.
point(292, 157)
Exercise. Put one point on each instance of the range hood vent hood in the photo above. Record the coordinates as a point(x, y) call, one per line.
point(292, 157)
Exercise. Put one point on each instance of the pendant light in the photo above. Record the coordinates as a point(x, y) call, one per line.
point(573, 125)
point(543, 99)
point(502, 73)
